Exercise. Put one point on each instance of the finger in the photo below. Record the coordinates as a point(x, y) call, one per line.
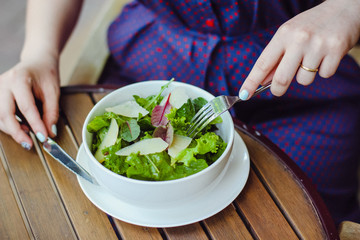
point(329, 66)
point(285, 72)
point(269, 77)
point(304, 76)
point(24, 127)
point(26, 103)
point(51, 109)
point(263, 67)
point(10, 125)
point(13, 128)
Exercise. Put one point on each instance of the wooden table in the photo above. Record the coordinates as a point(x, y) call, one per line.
point(41, 199)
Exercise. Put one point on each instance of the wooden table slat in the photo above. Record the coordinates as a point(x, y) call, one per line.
point(256, 204)
point(227, 224)
point(299, 211)
point(98, 96)
point(85, 216)
point(81, 113)
point(192, 231)
point(40, 202)
point(8, 201)
point(130, 231)
point(76, 107)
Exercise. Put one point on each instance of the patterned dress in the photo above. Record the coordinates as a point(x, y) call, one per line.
point(213, 44)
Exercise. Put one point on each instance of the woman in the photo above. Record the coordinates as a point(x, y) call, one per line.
point(227, 47)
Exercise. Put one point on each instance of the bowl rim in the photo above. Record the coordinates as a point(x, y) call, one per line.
point(148, 182)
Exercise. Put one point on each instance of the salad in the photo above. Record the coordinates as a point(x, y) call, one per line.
point(145, 138)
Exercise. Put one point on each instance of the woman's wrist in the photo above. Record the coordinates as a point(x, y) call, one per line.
point(39, 52)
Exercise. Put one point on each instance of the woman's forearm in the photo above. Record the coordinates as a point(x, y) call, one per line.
point(49, 25)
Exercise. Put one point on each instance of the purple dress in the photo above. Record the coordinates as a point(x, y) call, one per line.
point(213, 44)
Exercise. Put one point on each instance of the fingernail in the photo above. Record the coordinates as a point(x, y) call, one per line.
point(26, 145)
point(40, 136)
point(54, 129)
point(244, 94)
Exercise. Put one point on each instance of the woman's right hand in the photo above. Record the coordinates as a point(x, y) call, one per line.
point(35, 78)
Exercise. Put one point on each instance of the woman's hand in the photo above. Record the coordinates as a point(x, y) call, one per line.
point(36, 76)
point(29, 79)
point(316, 39)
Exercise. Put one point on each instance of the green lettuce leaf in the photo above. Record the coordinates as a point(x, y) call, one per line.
point(149, 167)
point(98, 123)
point(113, 161)
point(104, 120)
point(182, 170)
point(207, 143)
point(199, 103)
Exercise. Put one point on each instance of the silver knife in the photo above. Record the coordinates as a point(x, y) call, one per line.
point(62, 157)
point(52, 148)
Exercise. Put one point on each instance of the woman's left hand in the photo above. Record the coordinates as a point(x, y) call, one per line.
point(315, 40)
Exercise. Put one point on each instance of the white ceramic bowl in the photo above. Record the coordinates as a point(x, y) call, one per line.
point(155, 193)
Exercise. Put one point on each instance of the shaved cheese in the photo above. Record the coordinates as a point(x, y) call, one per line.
point(128, 109)
point(178, 144)
point(144, 147)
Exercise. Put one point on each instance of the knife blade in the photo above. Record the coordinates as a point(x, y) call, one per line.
point(54, 150)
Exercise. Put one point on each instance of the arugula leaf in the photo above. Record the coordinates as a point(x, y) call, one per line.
point(199, 103)
point(187, 110)
point(151, 101)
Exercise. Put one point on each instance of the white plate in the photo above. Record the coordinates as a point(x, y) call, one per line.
point(193, 209)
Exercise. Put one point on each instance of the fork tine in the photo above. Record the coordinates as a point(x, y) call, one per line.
point(204, 123)
point(200, 115)
point(206, 107)
point(207, 120)
point(200, 121)
point(213, 109)
point(194, 128)
point(205, 115)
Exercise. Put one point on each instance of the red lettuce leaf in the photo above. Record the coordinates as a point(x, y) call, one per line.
point(165, 133)
point(158, 117)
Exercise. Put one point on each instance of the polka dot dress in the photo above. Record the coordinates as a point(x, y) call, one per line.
point(213, 44)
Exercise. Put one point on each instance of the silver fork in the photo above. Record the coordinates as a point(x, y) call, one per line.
point(215, 108)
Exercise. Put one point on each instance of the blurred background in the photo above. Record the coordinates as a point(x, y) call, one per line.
point(12, 28)
point(12, 17)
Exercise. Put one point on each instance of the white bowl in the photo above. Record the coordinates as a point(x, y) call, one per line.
point(155, 193)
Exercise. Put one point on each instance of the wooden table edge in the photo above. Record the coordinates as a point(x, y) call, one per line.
point(322, 211)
